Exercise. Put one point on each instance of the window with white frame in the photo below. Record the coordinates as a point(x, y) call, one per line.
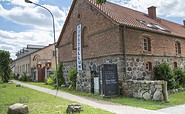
point(178, 47)
point(146, 44)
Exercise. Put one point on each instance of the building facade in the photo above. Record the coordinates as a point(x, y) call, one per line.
point(23, 60)
point(112, 34)
point(35, 61)
point(42, 63)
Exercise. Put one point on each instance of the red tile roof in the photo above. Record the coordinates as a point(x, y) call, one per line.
point(130, 17)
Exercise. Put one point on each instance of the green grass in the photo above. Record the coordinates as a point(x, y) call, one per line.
point(174, 99)
point(38, 103)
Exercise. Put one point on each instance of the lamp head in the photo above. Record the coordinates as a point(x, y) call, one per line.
point(27, 1)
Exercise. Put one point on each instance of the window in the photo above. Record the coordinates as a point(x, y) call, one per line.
point(175, 65)
point(26, 68)
point(74, 40)
point(20, 69)
point(36, 57)
point(146, 44)
point(84, 37)
point(178, 47)
point(149, 66)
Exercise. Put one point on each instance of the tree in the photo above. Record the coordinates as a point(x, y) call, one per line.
point(100, 1)
point(5, 69)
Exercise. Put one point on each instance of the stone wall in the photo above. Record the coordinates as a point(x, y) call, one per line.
point(83, 83)
point(148, 90)
point(136, 65)
point(91, 68)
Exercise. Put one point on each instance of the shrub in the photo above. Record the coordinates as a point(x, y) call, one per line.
point(180, 77)
point(1, 81)
point(164, 72)
point(11, 75)
point(61, 79)
point(23, 77)
point(50, 81)
point(72, 74)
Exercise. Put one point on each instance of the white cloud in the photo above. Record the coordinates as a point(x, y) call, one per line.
point(35, 17)
point(166, 8)
point(14, 41)
point(38, 19)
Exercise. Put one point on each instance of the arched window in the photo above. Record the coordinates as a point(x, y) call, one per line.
point(146, 44)
point(84, 37)
point(148, 66)
point(178, 47)
point(74, 40)
point(36, 57)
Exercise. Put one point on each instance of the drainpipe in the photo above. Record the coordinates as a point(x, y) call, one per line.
point(124, 51)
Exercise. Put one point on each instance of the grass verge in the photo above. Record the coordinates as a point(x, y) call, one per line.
point(38, 102)
point(174, 99)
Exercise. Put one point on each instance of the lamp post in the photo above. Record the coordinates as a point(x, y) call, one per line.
point(27, 1)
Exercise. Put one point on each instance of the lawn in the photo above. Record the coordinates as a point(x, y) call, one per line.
point(174, 99)
point(38, 102)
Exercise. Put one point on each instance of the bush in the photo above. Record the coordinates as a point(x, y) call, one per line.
point(11, 75)
point(180, 77)
point(164, 72)
point(1, 81)
point(50, 81)
point(61, 79)
point(72, 74)
point(23, 77)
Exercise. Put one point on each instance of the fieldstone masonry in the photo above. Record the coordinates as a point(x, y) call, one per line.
point(92, 65)
point(148, 90)
point(136, 66)
point(135, 69)
point(84, 82)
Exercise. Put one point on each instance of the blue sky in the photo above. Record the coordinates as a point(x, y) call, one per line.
point(22, 23)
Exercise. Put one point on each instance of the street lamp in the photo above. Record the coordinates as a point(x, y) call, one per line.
point(27, 1)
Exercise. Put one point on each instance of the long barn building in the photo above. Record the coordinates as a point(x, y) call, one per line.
point(113, 34)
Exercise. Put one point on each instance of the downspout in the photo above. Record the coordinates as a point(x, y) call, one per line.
point(124, 51)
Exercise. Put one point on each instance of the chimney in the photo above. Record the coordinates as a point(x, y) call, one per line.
point(152, 12)
point(184, 22)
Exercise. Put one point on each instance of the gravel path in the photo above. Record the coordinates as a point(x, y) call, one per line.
point(115, 108)
point(180, 109)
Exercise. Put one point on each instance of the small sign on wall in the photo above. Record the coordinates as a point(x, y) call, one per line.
point(79, 49)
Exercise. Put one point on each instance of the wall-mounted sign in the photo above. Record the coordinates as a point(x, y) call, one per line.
point(79, 49)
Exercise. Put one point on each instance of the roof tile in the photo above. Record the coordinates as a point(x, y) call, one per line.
point(130, 17)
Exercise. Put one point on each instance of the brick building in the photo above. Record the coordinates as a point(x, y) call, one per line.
point(23, 61)
point(115, 34)
point(36, 61)
point(42, 62)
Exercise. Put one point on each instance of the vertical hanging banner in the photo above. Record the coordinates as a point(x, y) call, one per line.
point(79, 49)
